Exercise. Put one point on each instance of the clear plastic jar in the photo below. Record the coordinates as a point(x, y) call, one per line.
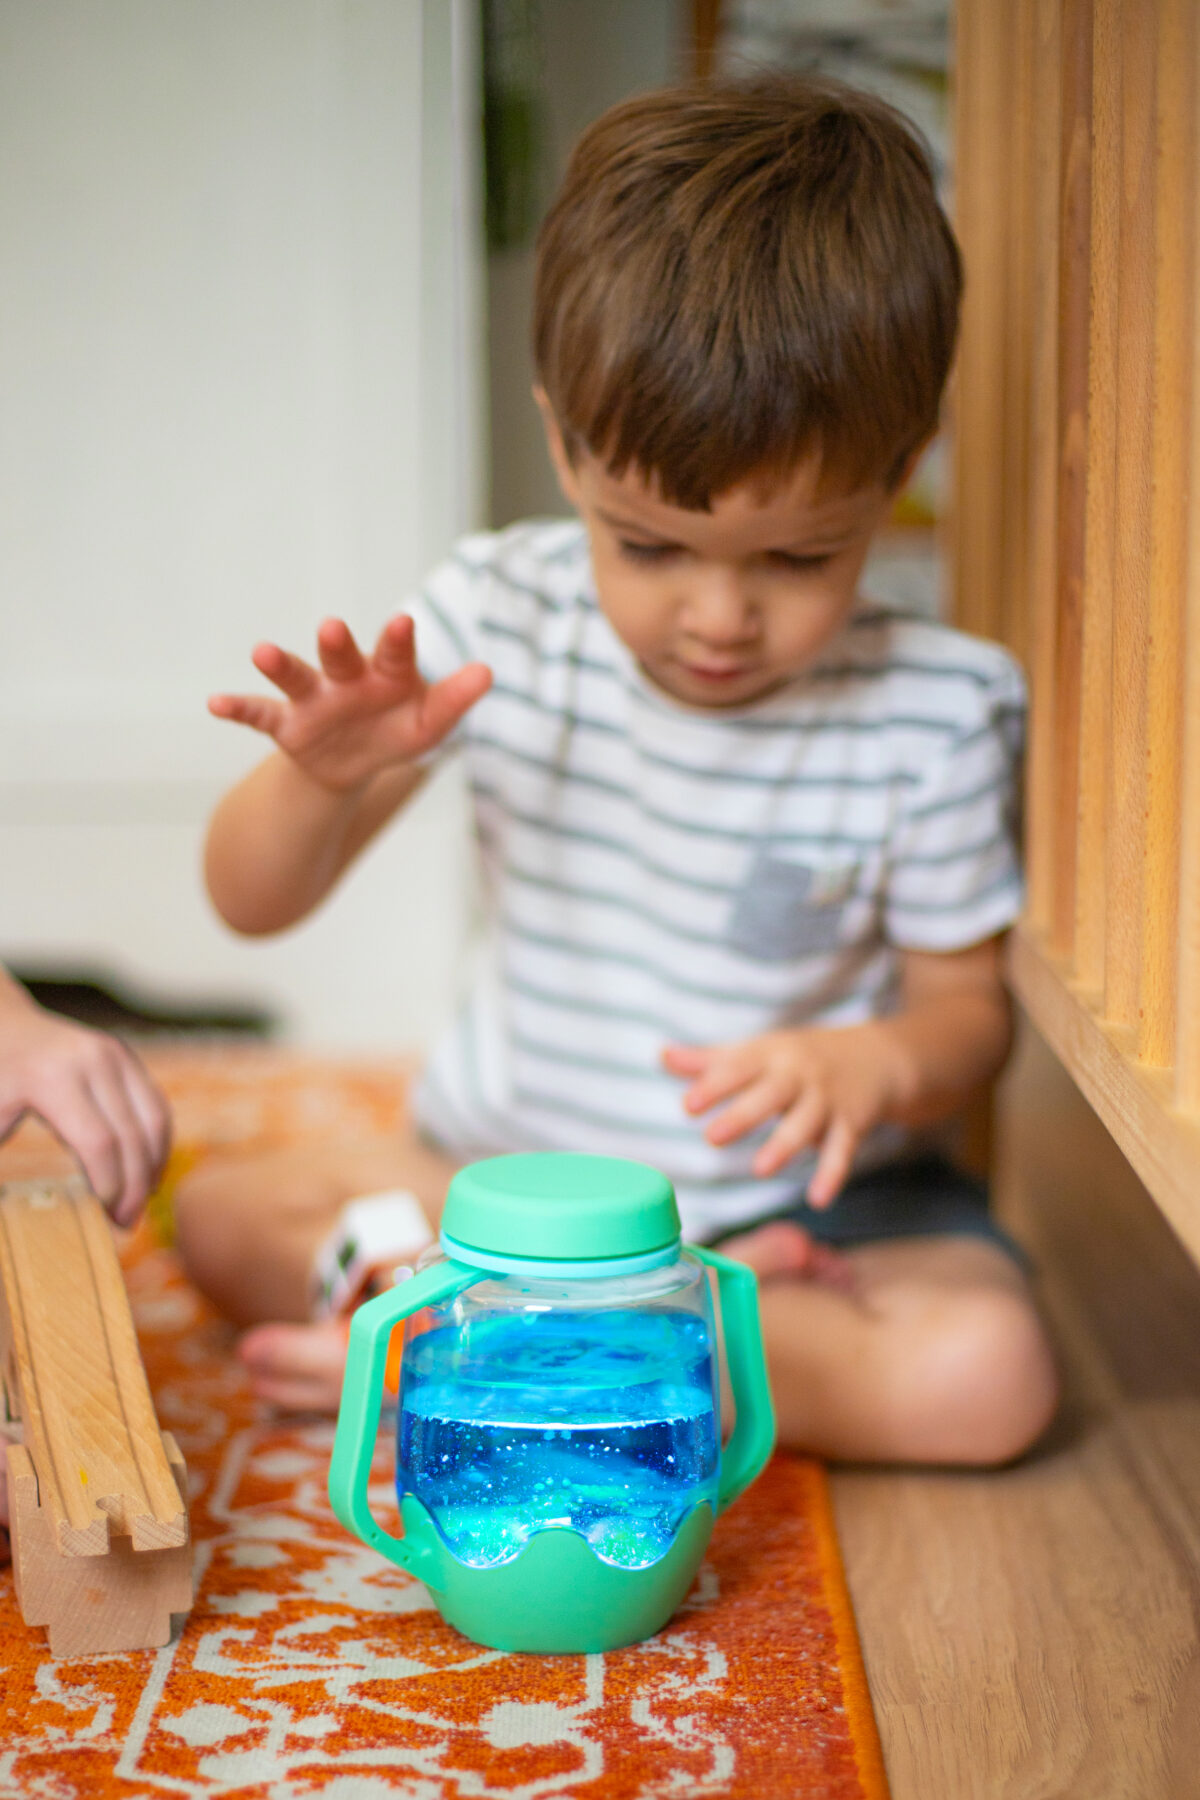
point(560, 1461)
point(533, 1403)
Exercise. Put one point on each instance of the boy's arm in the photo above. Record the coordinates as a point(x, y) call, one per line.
point(350, 735)
point(279, 842)
point(953, 1031)
point(827, 1086)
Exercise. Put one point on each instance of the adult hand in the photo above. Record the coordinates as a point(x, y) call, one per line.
point(353, 716)
point(94, 1095)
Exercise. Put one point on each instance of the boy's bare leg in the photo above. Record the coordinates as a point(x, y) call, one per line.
point(920, 1350)
point(249, 1227)
point(930, 1351)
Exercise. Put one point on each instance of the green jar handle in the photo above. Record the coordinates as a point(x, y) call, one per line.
point(746, 1453)
point(362, 1395)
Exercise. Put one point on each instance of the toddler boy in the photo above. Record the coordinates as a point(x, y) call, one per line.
point(747, 836)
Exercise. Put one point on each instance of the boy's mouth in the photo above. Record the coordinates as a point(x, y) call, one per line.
point(716, 672)
point(714, 683)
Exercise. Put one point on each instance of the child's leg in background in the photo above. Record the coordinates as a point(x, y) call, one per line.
point(933, 1352)
point(249, 1227)
point(916, 1350)
point(250, 1230)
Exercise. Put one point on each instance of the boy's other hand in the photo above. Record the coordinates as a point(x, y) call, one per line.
point(827, 1087)
point(94, 1095)
point(354, 715)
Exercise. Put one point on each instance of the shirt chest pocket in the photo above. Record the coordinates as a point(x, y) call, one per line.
point(788, 908)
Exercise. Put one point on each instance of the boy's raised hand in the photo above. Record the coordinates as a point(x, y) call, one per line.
point(826, 1086)
point(354, 715)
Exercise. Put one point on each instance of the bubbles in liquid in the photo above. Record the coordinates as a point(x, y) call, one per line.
point(597, 1422)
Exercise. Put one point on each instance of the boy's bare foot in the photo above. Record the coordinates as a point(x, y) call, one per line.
point(782, 1249)
point(298, 1368)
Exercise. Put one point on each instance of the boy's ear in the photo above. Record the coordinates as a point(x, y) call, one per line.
point(567, 479)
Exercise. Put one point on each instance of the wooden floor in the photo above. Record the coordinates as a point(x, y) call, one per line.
point(1036, 1632)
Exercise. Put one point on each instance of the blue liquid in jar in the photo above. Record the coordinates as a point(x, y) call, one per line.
point(598, 1422)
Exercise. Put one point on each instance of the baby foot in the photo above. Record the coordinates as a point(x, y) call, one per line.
point(782, 1249)
point(298, 1368)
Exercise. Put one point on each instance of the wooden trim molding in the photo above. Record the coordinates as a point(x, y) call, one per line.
point(1076, 532)
point(1133, 1102)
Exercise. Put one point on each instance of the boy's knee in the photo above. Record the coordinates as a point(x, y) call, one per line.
point(202, 1221)
point(245, 1244)
point(988, 1386)
point(232, 1216)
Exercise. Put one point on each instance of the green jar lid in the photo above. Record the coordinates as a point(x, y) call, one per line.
point(563, 1207)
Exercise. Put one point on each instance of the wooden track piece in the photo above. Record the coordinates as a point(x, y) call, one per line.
point(101, 1545)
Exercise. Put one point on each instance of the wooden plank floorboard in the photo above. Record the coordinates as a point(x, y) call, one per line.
point(1034, 1634)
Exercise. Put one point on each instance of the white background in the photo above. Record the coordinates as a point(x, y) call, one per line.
point(239, 389)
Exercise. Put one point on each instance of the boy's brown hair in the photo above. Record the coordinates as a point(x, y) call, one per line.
point(738, 274)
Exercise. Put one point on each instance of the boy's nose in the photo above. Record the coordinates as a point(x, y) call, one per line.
point(720, 611)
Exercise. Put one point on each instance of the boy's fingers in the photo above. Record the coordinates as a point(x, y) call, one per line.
point(796, 1131)
point(754, 1107)
point(720, 1079)
point(394, 655)
point(719, 1070)
point(444, 704)
point(833, 1164)
point(341, 658)
point(253, 710)
point(290, 674)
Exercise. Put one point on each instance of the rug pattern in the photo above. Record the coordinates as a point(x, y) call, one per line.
point(309, 1666)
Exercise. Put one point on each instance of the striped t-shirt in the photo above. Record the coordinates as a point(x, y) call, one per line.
point(655, 872)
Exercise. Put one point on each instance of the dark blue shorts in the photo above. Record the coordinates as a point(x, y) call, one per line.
point(920, 1196)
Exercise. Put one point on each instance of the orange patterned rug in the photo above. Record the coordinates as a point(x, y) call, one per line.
point(311, 1667)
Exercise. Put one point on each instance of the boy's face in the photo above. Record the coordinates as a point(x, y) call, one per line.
point(723, 607)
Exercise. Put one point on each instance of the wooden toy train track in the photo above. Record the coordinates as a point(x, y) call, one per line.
point(97, 1493)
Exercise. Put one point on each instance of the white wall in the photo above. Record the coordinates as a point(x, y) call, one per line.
point(239, 389)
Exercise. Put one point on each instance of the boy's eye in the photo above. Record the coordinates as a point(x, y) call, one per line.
point(786, 560)
point(644, 553)
point(638, 552)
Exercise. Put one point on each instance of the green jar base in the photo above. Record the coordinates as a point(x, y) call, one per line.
point(556, 1597)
